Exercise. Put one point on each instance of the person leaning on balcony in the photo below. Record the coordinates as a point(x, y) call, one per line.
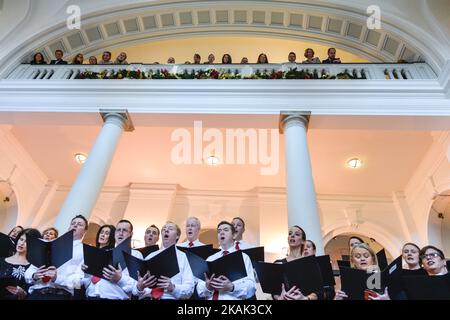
point(211, 59)
point(92, 60)
point(332, 57)
point(262, 58)
point(78, 59)
point(309, 55)
point(121, 58)
point(38, 58)
point(292, 57)
point(244, 60)
point(58, 55)
point(106, 58)
point(171, 60)
point(197, 58)
point(226, 59)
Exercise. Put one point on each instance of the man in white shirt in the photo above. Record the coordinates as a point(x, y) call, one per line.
point(181, 285)
point(151, 235)
point(117, 285)
point(239, 226)
point(49, 283)
point(192, 230)
point(219, 287)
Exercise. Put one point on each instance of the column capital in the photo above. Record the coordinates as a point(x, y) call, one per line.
point(293, 118)
point(121, 114)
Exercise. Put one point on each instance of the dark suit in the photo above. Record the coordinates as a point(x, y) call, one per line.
point(58, 62)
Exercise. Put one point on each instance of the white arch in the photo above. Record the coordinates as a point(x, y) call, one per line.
point(369, 229)
point(396, 28)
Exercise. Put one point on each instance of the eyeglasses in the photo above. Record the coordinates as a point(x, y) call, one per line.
point(430, 255)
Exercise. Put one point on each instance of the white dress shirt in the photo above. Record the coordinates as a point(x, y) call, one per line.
point(183, 280)
point(195, 243)
point(68, 277)
point(109, 290)
point(243, 288)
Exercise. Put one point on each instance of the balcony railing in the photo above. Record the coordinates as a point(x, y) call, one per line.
point(410, 71)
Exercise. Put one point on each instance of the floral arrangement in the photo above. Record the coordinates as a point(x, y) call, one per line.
point(220, 74)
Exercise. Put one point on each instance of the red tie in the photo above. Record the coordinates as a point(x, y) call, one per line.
point(237, 246)
point(191, 244)
point(95, 279)
point(157, 293)
point(216, 293)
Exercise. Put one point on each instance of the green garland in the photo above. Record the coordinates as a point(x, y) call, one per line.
point(217, 74)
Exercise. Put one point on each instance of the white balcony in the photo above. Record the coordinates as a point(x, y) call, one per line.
point(413, 71)
point(374, 89)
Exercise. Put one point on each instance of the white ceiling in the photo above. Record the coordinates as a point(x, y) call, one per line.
point(143, 156)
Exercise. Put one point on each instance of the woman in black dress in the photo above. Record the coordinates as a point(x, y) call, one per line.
point(12, 269)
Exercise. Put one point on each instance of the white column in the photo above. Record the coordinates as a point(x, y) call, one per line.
point(86, 189)
point(301, 196)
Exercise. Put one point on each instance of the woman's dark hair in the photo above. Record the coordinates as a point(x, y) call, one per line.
point(424, 250)
point(29, 233)
point(303, 232)
point(265, 55)
point(9, 234)
point(42, 60)
point(306, 52)
point(229, 59)
point(111, 239)
point(355, 237)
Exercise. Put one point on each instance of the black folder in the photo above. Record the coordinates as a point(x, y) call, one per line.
point(255, 254)
point(8, 281)
point(53, 253)
point(164, 263)
point(382, 260)
point(96, 258)
point(326, 269)
point(231, 266)
point(354, 282)
point(427, 287)
point(202, 251)
point(147, 250)
point(7, 245)
point(343, 263)
point(303, 273)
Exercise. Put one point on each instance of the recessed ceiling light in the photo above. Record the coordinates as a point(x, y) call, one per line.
point(354, 163)
point(212, 161)
point(80, 158)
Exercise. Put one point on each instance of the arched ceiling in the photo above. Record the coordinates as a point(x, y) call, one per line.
point(115, 24)
point(333, 27)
